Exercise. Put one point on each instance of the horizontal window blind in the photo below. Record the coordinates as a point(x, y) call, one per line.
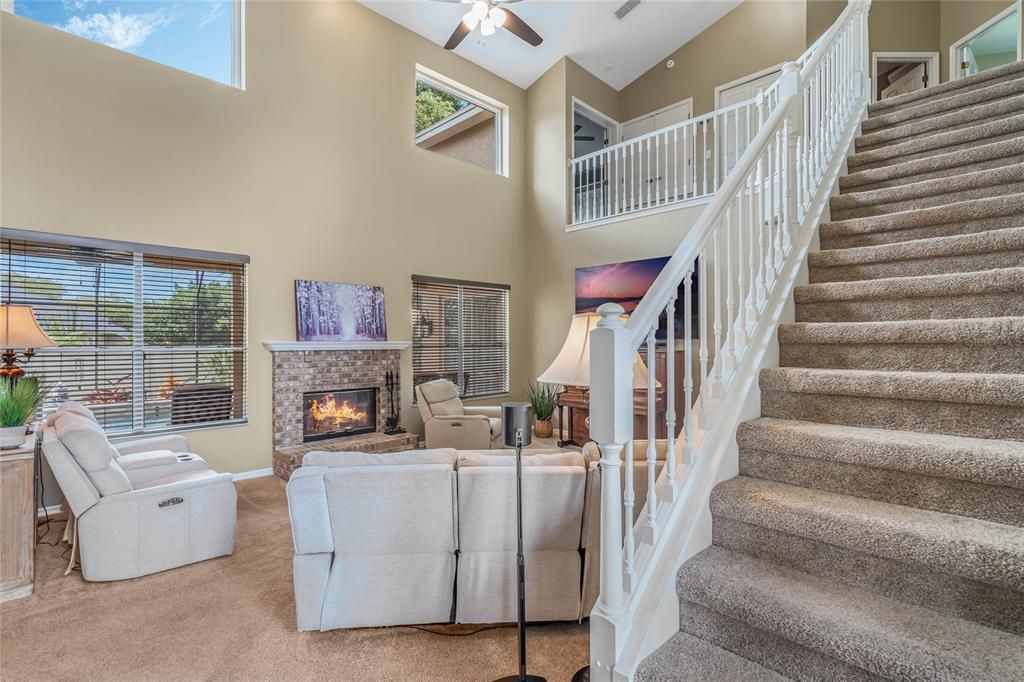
point(149, 340)
point(460, 333)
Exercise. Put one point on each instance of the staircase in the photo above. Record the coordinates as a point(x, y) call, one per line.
point(876, 528)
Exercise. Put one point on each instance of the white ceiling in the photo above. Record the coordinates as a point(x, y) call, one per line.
point(616, 51)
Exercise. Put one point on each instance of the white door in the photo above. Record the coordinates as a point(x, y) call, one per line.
point(651, 176)
point(734, 141)
point(670, 181)
point(634, 178)
point(906, 79)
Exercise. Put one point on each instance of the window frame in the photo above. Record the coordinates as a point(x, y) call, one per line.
point(460, 346)
point(141, 258)
point(237, 43)
point(476, 98)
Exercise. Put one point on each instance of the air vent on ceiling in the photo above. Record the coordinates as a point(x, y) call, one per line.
point(626, 8)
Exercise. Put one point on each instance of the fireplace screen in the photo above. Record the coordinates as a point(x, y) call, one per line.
point(330, 414)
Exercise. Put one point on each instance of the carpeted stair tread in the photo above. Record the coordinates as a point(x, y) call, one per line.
point(1000, 281)
point(937, 143)
point(947, 122)
point(983, 156)
point(974, 215)
point(929, 109)
point(950, 88)
point(943, 387)
point(1006, 239)
point(938, 191)
point(977, 460)
point(973, 549)
point(890, 639)
point(687, 658)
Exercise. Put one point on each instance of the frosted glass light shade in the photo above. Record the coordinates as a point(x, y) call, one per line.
point(19, 329)
point(571, 366)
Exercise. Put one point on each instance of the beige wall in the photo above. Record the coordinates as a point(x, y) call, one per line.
point(755, 35)
point(960, 17)
point(473, 145)
point(311, 171)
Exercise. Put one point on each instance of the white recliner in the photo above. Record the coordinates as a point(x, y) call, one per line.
point(143, 507)
point(450, 424)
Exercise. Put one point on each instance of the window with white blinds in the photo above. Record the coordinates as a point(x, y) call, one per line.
point(150, 338)
point(460, 333)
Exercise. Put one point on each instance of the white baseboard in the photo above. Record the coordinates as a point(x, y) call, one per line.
point(51, 510)
point(255, 473)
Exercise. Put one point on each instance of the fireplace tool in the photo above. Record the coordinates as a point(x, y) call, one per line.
point(391, 421)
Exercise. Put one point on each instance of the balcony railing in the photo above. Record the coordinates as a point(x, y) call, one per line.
point(682, 162)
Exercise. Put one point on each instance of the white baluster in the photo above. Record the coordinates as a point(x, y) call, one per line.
point(647, 169)
point(702, 312)
point(657, 169)
point(704, 155)
point(688, 363)
point(628, 503)
point(651, 530)
point(618, 182)
point(675, 171)
point(716, 288)
point(716, 181)
point(670, 398)
point(728, 353)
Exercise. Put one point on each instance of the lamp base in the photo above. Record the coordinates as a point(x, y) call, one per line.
point(516, 678)
point(9, 370)
point(582, 675)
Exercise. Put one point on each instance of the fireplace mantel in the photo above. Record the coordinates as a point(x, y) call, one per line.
point(285, 346)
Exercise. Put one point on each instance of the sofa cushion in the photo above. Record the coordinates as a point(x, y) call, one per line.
point(500, 458)
point(91, 450)
point(495, 423)
point(71, 407)
point(319, 458)
point(442, 397)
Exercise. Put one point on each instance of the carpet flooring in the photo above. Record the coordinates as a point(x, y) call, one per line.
point(233, 618)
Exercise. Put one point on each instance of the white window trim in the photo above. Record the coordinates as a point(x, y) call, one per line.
point(499, 109)
point(614, 127)
point(954, 63)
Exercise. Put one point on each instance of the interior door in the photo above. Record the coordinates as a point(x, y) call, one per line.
point(911, 79)
point(671, 169)
point(633, 178)
point(731, 151)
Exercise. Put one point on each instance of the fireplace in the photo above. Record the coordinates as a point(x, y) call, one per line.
point(331, 414)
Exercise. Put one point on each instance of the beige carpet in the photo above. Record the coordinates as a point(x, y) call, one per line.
point(234, 618)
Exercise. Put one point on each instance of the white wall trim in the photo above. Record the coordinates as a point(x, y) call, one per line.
point(642, 213)
point(931, 57)
point(255, 473)
point(279, 346)
point(688, 101)
point(744, 79)
point(613, 126)
point(52, 510)
point(954, 63)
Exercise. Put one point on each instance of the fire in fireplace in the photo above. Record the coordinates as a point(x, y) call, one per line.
point(332, 414)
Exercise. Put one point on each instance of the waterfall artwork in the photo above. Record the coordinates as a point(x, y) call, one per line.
point(330, 311)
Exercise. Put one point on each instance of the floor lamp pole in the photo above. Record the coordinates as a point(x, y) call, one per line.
point(516, 422)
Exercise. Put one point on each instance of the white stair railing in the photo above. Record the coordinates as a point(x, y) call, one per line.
point(734, 270)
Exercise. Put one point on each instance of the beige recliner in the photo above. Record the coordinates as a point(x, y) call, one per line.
point(450, 424)
point(145, 507)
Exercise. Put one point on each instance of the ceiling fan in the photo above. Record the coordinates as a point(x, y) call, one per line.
point(581, 138)
point(490, 16)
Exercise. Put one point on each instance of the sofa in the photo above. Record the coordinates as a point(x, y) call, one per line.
point(140, 506)
point(429, 536)
point(450, 424)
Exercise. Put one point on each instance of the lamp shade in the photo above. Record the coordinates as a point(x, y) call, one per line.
point(572, 364)
point(19, 329)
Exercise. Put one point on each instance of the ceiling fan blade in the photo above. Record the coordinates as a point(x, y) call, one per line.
point(458, 35)
point(584, 138)
point(521, 29)
point(576, 128)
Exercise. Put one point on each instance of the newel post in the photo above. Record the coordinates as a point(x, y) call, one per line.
point(861, 82)
point(611, 424)
point(789, 84)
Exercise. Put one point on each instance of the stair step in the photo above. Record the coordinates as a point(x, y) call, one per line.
point(975, 477)
point(1004, 180)
point(977, 345)
point(929, 109)
point(953, 88)
point(937, 143)
point(817, 629)
point(686, 658)
point(988, 293)
point(964, 217)
point(935, 256)
point(958, 403)
point(976, 113)
point(981, 157)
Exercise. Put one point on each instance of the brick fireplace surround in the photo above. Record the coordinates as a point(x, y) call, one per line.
point(299, 368)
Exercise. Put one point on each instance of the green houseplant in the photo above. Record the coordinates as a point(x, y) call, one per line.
point(19, 402)
point(542, 398)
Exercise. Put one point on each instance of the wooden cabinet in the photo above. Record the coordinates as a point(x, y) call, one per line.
point(17, 521)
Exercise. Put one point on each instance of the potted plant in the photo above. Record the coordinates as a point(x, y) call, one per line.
point(542, 399)
point(19, 403)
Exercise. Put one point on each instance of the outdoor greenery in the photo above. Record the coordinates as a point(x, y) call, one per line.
point(19, 401)
point(542, 398)
point(433, 105)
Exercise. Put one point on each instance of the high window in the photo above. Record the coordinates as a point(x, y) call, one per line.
point(150, 338)
point(204, 38)
point(458, 122)
point(460, 333)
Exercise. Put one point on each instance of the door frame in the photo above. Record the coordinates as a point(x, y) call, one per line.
point(906, 57)
point(688, 101)
point(613, 126)
point(719, 89)
point(954, 64)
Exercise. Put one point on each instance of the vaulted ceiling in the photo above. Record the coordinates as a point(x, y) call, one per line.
point(616, 51)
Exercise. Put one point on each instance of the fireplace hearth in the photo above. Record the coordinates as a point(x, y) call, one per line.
point(338, 413)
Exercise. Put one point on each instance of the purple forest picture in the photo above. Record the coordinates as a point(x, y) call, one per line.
point(329, 311)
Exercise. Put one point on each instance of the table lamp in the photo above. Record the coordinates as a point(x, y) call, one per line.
point(19, 331)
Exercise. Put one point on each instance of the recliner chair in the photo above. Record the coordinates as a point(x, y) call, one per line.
point(143, 507)
point(450, 424)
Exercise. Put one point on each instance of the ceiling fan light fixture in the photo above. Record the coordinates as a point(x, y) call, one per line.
point(479, 10)
point(487, 27)
point(470, 20)
point(498, 16)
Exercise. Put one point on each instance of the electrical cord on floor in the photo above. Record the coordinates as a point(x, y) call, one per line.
point(459, 634)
